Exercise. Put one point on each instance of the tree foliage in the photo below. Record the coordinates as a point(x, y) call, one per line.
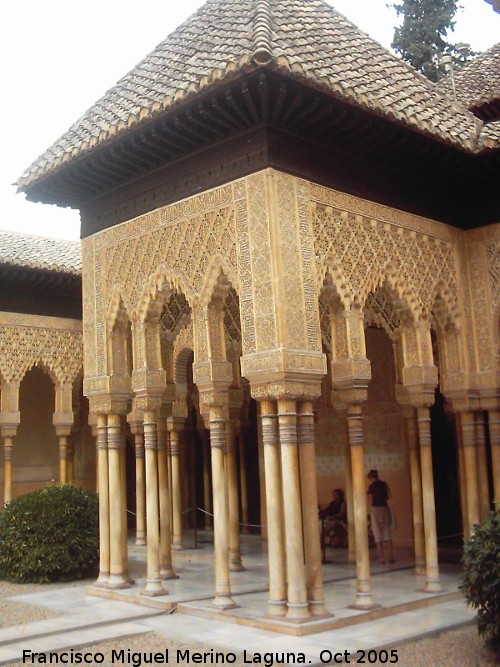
point(422, 38)
point(481, 579)
point(50, 535)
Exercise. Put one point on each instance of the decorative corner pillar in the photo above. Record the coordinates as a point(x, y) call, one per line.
point(103, 491)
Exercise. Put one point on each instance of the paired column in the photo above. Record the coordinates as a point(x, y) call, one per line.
point(482, 464)
point(174, 449)
point(243, 481)
point(118, 571)
point(364, 598)
point(432, 578)
point(470, 466)
point(277, 603)
point(153, 581)
point(297, 607)
point(223, 598)
point(416, 492)
point(309, 489)
point(235, 563)
point(207, 491)
point(137, 430)
point(461, 473)
point(103, 491)
point(166, 569)
point(8, 443)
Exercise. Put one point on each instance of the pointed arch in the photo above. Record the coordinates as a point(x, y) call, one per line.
point(159, 287)
point(219, 273)
point(333, 268)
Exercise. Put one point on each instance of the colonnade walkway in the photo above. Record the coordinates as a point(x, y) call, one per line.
point(404, 613)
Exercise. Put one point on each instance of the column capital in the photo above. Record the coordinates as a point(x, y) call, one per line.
point(286, 389)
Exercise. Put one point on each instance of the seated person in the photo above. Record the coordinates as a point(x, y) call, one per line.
point(335, 520)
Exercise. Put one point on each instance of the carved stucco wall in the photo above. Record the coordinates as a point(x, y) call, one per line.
point(55, 344)
point(274, 237)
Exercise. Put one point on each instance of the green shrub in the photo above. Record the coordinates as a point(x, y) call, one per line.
point(481, 580)
point(50, 535)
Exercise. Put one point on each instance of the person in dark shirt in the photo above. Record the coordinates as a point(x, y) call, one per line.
point(379, 493)
point(335, 518)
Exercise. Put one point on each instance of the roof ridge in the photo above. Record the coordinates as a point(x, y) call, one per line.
point(261, 39)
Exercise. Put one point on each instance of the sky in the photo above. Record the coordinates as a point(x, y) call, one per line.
point(59, 56)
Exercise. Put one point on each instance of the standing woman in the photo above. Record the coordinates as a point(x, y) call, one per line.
point(380, 512)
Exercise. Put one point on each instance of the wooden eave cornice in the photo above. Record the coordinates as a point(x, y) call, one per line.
point(262, 97)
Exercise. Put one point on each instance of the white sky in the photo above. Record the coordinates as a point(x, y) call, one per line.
point(59, 56)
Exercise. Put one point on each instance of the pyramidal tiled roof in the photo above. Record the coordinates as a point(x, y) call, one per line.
point(478, 81)
point(38, 252)
point(306, 39)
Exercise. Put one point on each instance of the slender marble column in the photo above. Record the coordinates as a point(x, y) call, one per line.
point(432, 578)
point(364, 599)
point(140, 485)
point(461, 473)
point(8, 442)
point(153, 582)
point(416, 494)
point(494, 426)
point(235, 564)
point(103, 490)
point(117, 570)
point(309, 493)
point(274, 506)
point(297, 606)
point(166, 569)
point(223, 598)
point(351, 534)
point(243, 483)
point(482, 464)
point(207, 491)
point(177, 539)
point(470, 465)
point(63, 459)
point(124, 514)
point(70, 455)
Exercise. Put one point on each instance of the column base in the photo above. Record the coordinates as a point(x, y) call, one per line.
point(168, 574)
point(276, 608)
point(117, 581)
point(364, 602)
point(140, 542)
point(178, 546)
point(237, 567)
point(434, 586)
point(223, 602)
point(153, 588)
point(102, 580)
point(317, 608)
point(297, 611)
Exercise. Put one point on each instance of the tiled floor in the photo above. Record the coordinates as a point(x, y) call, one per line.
point(87, 619)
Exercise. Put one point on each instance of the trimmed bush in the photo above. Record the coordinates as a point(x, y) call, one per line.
point(50, 535)
point(481, 579)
